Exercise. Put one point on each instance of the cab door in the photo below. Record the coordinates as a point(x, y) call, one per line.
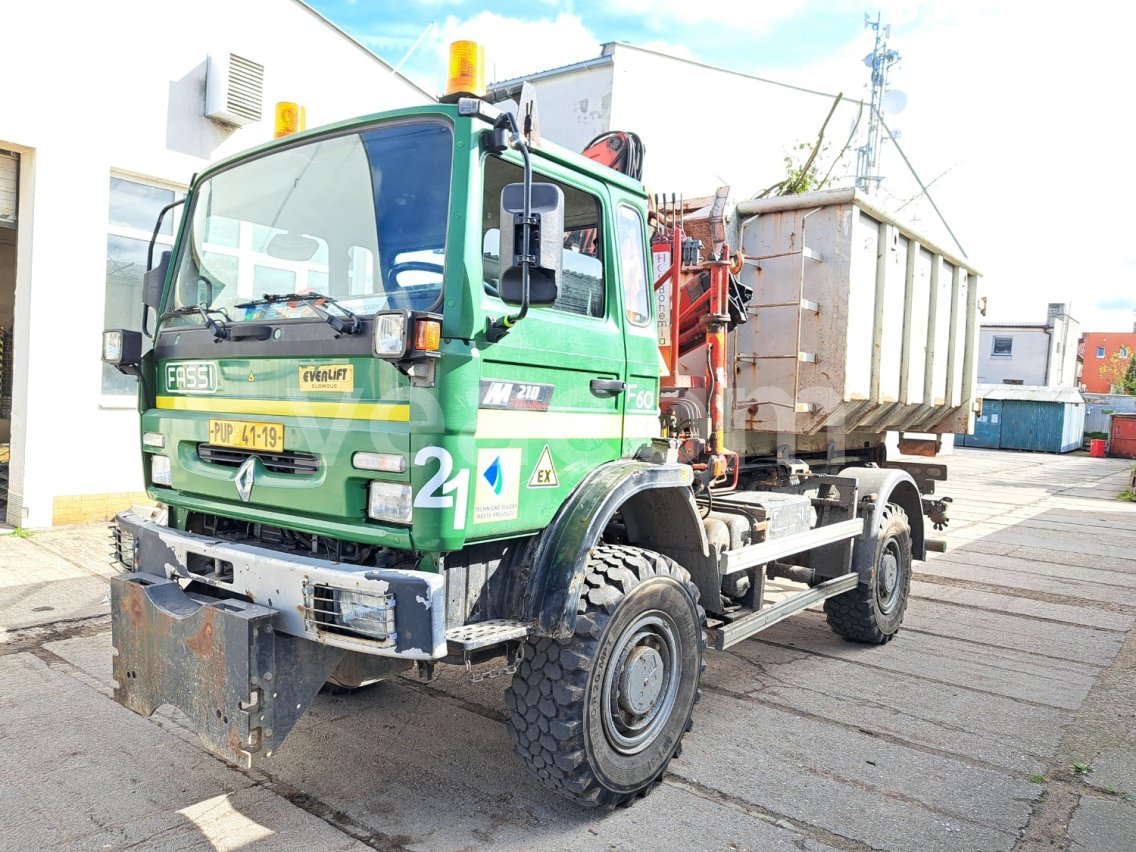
point(641, 400)
point(552, 391)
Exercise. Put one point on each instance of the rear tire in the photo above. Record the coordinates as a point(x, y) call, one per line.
point(872, 612)
point(597, 718)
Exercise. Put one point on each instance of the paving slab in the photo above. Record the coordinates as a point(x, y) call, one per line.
point(77, 770)
point(999, 671)
point(1023, 579)
point(858, 787)
point(1103, 825)
point(1022, 633)
point(1114, 771)
point(938, 717)
point(1083, 613)
point(1050, 563)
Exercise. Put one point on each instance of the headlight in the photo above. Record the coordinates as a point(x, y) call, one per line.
point(153, 439)
point(122, 346)
point(160, 473)
point(390, 501)
point(112, 346)
point(390, 335)
point(368, 614)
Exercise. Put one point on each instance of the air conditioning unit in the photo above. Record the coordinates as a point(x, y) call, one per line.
point(234, 89)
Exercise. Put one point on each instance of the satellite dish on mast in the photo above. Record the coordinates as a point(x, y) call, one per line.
point(894, 101)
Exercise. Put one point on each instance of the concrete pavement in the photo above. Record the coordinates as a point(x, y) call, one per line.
point(1002, 717)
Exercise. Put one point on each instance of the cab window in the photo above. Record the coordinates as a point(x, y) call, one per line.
point(633, 265)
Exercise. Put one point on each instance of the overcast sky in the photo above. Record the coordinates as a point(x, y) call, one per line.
point(1018, 113)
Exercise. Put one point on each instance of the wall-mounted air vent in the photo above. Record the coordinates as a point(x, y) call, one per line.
point(9, 186)
point(234, 89)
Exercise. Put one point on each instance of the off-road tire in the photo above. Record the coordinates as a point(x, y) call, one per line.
point(638, 614)
point(872, 612)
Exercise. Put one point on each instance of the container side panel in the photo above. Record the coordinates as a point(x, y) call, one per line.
point(958, 345)
point(942, 343)
point(891, 334)
point(861, 308)
point(920, 306)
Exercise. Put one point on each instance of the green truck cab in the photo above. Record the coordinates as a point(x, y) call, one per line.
point(400, 404)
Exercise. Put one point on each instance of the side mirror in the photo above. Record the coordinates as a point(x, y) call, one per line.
point(546, 247)
point(154, 280)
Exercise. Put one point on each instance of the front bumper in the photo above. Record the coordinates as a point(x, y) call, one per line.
point(405, 610)
point(244, 669)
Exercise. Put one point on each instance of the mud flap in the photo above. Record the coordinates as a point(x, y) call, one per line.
point(242, 684)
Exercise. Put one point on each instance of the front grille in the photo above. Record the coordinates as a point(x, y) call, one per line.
point(287, 462)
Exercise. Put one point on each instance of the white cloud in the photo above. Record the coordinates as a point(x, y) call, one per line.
point(661, 15)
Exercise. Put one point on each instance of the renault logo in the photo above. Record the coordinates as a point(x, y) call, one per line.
point(245, 477)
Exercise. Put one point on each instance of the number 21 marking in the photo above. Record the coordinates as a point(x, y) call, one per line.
point(432, 495)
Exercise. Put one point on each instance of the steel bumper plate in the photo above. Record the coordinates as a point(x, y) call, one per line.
point(242, 684)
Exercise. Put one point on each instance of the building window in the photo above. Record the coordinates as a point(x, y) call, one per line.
point(1123, 351)
point(134, 208)
point(1002, 347)
point(1100, 351)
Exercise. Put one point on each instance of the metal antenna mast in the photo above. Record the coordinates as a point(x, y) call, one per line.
point(880, 61)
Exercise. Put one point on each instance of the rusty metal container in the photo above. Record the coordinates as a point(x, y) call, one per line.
point(1122, 436)
point(858, 325)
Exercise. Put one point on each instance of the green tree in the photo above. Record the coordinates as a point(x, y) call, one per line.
point(1120, 373)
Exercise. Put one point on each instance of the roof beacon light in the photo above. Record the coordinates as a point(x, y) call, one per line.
point(290, 118)
point(466, 76)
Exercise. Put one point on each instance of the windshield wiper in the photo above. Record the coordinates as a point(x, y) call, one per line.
point(340, 325)
point(219, 329)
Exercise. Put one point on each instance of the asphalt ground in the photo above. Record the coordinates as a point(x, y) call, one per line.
point(1003, 716)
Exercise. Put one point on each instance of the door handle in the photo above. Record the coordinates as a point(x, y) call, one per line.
point(608, 386)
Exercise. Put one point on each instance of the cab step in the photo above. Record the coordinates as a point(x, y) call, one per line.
point(484, 634)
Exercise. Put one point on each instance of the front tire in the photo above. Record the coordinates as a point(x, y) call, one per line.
point(597, 718)
point(872, 612)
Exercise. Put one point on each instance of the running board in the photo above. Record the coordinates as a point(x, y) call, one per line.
point(730, 634)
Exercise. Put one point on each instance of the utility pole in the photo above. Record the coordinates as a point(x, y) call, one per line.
point(880, 61)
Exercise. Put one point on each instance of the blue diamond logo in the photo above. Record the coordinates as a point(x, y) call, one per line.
point(493, 475)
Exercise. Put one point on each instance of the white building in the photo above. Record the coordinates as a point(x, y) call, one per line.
point(1030, 353)
point(101, 125)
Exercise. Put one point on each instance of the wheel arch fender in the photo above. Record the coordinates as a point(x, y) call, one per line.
point(878, 487)
point(659, 513)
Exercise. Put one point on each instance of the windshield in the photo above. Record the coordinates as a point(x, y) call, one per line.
point(359, 218)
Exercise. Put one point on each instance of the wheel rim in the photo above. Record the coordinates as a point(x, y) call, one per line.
point(641, 684)
point(888, 579)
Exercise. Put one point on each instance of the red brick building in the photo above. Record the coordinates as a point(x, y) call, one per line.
point(1099, 349)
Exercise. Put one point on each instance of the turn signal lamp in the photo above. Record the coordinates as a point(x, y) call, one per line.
point(466, 77)
point(427, 335)
point(385, 462)
point(290, 118)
